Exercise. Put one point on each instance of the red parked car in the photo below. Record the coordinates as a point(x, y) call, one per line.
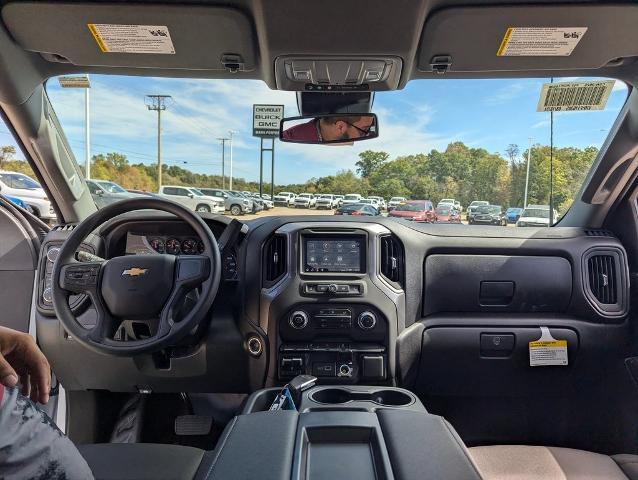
point(416, 210)
point(447, 214)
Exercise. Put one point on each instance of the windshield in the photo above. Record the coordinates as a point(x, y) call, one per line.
point(21, 182)
point(111, 187)
point(536, 212)
point(443, 210)
point(445, 140)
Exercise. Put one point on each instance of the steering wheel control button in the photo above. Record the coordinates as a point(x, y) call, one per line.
point(254, 345)
point(298, 320)
point(367, 320)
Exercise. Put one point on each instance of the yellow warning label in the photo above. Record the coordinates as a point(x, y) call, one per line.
point(549, 343)
point(97, 37)
point(506, 38)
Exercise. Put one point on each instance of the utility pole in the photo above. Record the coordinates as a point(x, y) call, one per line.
point(157, 103)
point(224, 140)
point(529, 159)
point(231, 133)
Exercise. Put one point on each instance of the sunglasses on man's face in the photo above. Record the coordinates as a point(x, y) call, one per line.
point(365, 132)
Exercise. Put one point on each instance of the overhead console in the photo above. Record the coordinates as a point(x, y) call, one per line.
point(337, 74)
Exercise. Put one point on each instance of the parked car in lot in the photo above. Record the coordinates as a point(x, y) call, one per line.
point(473, 206)
point(232, 203)
point(339, 199)
point(381, 201)
point(357, 209)
point(18, 203)
point(268, 203)
point(535, 216)
point(447, 214)
point(305, 200)
point(105, 192)
point(351, 199)
point(255, 204)
point(285, 199)
point(371, 201)
point(513, 214)
point(489, 215)
point(192, 198)
point(395, 202)
point(21, 186)
point(416, 210)
point(327, 201)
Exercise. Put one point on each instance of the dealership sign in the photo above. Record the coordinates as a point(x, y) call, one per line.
point(266, 120)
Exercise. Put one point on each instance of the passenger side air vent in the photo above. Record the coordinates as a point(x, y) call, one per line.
point(602, 278)
point(606, 282)
point(274, 261)
point(392, 260)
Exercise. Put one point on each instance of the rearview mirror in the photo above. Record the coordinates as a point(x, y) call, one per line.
point(337, 128)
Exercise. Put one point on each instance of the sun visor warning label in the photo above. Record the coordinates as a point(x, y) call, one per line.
point(132, 38)
point(547, 350)
point(540, 41)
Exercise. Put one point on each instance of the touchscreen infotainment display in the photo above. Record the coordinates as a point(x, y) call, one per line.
point(334, 254)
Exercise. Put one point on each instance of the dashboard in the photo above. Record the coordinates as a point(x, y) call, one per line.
point(351, 301)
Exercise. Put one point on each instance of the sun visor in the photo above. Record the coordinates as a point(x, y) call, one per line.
point(143, 36)
point(490, 39)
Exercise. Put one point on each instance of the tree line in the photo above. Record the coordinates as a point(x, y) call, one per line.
point(458, 172)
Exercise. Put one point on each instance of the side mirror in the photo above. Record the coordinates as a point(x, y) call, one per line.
point(190, 195)
point(99, 192)
point(329, 129)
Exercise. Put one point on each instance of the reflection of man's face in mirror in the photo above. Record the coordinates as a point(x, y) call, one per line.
point(345, 128)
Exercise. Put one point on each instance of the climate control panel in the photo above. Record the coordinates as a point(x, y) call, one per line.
point(334, 342)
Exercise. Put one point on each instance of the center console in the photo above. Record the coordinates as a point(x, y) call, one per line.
point(332, 321)
point(341, 432)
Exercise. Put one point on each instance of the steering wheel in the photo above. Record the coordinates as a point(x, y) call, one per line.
point(136, 287)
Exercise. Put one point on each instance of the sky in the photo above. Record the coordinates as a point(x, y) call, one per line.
point(426, 115)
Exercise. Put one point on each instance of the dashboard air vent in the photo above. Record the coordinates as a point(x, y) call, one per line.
point(602, 278)
point(598, 233)
point(64, 228)
point(606, 280)
point(274, 259)
point(392, 259)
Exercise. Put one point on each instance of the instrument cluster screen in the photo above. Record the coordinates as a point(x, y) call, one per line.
point(334, 254)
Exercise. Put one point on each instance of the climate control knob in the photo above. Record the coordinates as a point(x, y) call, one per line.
point(298, 319)
point(367, 320)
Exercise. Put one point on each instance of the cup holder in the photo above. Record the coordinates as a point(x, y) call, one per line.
point(338, 396)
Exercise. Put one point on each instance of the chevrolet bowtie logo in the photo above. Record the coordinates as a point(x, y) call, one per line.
point(134, 272)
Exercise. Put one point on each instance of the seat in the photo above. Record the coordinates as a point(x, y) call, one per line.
point(523, 462)
point(144, 461)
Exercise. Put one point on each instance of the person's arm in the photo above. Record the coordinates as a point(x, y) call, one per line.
point(21, 361)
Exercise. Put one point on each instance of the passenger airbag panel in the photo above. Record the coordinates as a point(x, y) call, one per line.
point(496, 283)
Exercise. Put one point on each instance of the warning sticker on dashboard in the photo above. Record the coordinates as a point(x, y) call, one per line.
point(547, 350)
point(113, 38)
point(540, 41)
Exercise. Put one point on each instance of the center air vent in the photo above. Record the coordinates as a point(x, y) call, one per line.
point(392, 259)
point(274, 261)
point(606, 282)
